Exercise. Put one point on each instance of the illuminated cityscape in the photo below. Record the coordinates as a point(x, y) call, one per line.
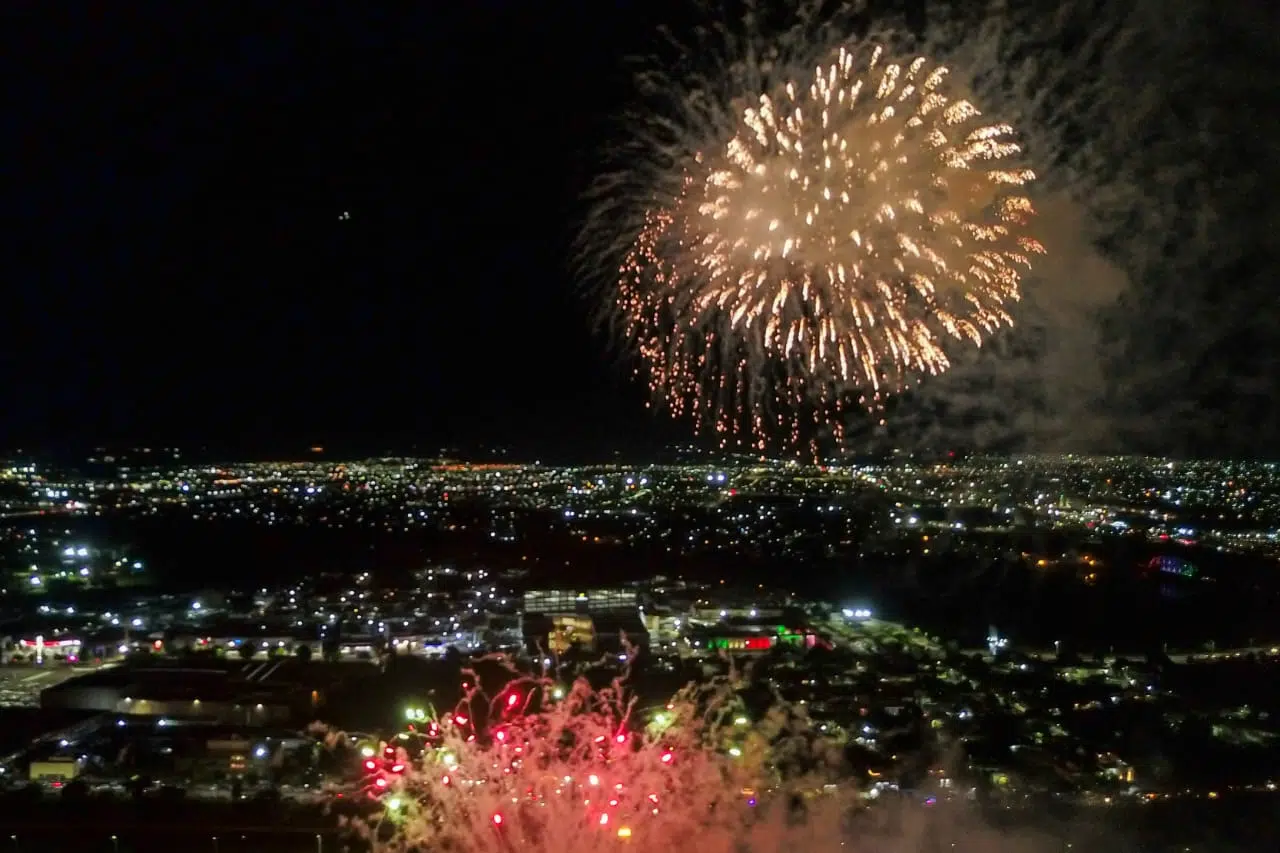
point(590, 427)
point(735, 504)
point(820, 576)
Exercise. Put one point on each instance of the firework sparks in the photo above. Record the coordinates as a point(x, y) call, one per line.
point(591, 770)
point(854, 222)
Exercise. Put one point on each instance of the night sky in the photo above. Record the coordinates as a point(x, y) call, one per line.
point(178, 268)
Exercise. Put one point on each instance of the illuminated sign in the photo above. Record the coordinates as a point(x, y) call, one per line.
point(741, 644)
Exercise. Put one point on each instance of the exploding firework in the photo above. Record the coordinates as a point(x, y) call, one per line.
point(540, 767)
point(854, 221)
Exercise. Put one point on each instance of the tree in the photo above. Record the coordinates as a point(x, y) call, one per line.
point(303, 652)
point(246, 649)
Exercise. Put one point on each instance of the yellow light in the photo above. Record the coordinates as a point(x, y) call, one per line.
point(624, 832)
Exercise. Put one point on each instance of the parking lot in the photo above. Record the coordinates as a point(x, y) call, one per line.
point(20, 685)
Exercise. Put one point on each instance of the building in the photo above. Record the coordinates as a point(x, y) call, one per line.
point(752, 639)
point(619, 631)
point(56, 769)
point(556, 620)
point(597, 632)
point(550, 601)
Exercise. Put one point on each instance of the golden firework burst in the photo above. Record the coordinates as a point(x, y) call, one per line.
point(827, 251)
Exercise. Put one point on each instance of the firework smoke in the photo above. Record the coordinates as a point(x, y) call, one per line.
point(540, 767)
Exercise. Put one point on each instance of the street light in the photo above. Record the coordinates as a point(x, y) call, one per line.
point(115, 844)
point(319, 843)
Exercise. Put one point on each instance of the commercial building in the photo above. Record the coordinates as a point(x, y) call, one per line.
point(552, 601)
point(596, 620)
point(752, 639)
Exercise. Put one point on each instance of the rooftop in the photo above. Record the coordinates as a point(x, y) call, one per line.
point(211, 680)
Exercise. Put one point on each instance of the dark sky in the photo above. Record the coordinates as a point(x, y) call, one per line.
point(182, 270)
point(177, 268)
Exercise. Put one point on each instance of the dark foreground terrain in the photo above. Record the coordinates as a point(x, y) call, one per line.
point(1231, 825)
